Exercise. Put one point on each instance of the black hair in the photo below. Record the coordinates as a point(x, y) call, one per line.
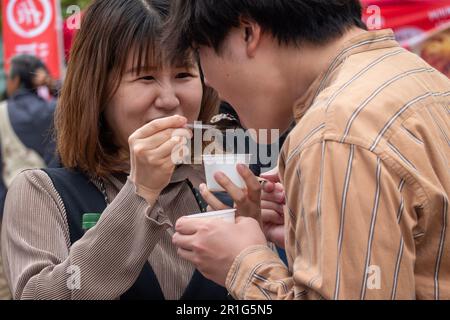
point(25, 67)
point(208, 22)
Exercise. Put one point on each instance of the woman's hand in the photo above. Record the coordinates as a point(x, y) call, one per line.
point(152, 150)
point(247, 201)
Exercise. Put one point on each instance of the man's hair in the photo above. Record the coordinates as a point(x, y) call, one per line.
point(208, 22)
point(25, 67)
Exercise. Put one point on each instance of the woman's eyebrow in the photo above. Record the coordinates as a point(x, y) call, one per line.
point(134, 70)
point(186, 65)
point(183, 67)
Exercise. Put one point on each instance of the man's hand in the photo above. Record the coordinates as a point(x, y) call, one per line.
point(213, 245)
point(272, 208)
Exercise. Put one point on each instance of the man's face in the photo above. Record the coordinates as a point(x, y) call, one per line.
point(246, 82)
point(41, 78)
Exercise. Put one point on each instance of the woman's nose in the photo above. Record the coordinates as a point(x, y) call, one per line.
point(167, 98)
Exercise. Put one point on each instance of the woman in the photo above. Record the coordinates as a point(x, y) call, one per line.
point(123, 109)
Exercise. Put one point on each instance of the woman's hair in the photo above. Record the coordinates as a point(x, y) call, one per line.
point(109, 31)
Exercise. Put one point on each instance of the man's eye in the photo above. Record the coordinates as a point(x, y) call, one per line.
point(147, 78)
point(184, 75)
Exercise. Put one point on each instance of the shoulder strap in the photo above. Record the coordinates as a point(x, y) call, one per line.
point(15, 155)
point(79, 196)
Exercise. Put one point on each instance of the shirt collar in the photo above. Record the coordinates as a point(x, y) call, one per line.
point(367, 41)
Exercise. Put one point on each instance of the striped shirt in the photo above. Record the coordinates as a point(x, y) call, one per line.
point(367, 178)
point(40, 262)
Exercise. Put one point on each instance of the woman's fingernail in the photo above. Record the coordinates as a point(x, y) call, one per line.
point(202, 188)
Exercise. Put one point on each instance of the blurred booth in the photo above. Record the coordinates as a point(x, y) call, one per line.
point(422, 26)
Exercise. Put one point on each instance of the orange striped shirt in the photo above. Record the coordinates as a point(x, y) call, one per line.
point(367, 178)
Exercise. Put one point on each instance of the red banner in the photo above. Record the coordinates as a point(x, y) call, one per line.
point(33, 27)
point(422, 26)
point(408, 18)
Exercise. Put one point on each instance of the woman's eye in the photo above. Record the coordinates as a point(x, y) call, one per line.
point(184, 75)
point(147, 78)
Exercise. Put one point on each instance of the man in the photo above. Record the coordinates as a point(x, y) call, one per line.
point(365, 170)
point(25, 127)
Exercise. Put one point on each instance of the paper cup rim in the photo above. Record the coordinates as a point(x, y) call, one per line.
point(212, 213)
point(227, 158)
point(226, 155)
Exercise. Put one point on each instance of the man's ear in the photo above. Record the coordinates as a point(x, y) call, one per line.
point(251, 33)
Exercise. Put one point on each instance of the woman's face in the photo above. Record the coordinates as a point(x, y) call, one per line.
point(153, 94)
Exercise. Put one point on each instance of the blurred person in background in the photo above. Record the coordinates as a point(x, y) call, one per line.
point(25, 124)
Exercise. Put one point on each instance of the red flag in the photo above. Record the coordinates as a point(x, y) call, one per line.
point(33, 27)
point(422, 26)
point(408, 18)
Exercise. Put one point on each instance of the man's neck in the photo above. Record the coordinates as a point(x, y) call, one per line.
point(304, 64)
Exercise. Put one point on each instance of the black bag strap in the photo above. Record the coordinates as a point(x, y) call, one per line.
point(79, 196)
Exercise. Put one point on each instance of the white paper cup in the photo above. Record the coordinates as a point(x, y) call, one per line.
point(225, 163)
point(228, 215)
